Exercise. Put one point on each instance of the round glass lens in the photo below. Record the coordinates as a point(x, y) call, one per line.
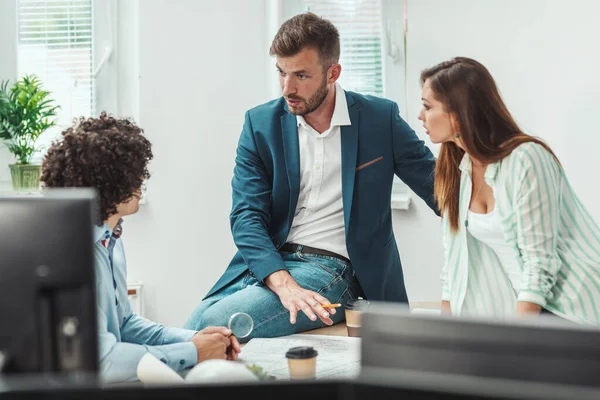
point(241, 324)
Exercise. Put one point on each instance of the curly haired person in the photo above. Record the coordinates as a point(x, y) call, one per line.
point(111, 155)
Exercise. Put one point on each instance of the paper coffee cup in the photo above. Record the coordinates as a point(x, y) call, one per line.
point(354, 309)
point(302, 362)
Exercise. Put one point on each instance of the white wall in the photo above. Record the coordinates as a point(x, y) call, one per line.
point(202, 64)
point(545, 59)
point(107, 42)
point(127, 58)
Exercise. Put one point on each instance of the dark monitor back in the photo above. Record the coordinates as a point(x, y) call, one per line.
point(406, 386)
point(47, 282)
point(546, 349)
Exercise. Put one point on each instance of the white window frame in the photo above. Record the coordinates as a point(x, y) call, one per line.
point(105, 54)
point(8, 70)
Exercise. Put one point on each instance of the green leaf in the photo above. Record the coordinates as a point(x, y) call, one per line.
point(259, 372)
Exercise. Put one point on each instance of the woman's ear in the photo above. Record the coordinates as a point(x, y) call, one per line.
point(455, 124)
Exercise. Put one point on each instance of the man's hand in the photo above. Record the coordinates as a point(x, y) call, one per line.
point(216, 342)
point(294, 298)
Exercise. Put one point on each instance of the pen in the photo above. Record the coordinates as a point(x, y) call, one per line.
point(336, 305)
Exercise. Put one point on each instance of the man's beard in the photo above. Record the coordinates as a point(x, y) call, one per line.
point(313, 103)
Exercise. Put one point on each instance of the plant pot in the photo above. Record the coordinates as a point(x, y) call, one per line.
point(25, 178)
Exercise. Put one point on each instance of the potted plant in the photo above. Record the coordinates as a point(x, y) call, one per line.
point(26, 111)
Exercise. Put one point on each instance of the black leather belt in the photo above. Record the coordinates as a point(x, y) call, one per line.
point(293, 248)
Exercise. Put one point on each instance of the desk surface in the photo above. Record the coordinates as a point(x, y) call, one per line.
point(340, 329)
point(333, 330)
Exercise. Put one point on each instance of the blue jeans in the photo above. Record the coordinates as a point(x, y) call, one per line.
point(329, 276)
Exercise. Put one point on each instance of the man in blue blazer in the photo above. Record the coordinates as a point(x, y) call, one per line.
point(311, 214)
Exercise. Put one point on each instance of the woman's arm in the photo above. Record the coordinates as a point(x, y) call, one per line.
point(537, 208)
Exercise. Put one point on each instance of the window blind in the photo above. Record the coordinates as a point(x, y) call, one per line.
point(55, 43)
point(359, 25)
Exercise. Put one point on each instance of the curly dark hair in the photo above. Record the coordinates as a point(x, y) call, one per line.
point(108, 154)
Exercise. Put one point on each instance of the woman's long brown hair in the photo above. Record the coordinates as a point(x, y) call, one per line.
point(488, 131)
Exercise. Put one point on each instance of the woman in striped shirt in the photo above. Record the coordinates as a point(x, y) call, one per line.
point(517, 239)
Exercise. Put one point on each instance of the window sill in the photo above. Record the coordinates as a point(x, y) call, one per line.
point(6, 187)
point(401, 201)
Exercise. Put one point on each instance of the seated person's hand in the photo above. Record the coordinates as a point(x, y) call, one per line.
point(216, 342)
point(234, 348)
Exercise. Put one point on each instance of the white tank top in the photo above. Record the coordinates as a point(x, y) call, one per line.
point(487, 228)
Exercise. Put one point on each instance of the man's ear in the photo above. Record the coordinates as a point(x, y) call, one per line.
point(333, 73)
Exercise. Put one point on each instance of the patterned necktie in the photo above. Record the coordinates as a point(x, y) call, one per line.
point(117, 232)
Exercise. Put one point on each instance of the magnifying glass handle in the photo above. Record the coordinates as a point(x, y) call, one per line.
point(231, 352)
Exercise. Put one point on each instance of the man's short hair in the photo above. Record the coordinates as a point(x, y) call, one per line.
point(308, 30)
point(105, 153)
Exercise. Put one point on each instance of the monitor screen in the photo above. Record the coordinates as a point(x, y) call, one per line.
point(47, 282)
point(544, 349)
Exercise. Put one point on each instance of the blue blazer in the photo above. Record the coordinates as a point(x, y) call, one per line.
point(266, 184)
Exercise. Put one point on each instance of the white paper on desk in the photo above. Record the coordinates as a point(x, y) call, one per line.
point(339, 356)
point(153, 371)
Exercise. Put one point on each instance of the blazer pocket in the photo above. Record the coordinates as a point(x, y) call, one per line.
point(368, 164)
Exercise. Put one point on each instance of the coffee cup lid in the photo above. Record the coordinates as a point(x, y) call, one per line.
point(357, 304)
point(301, 352)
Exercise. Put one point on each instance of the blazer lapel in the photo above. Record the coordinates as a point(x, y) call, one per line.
point(349, 153)
point(291, 150)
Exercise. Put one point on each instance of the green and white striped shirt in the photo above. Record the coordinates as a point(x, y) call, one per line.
point(555, 242)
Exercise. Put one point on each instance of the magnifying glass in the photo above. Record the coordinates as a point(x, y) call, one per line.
point(241, 325)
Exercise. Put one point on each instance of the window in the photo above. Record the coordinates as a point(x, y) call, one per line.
point(60, 41)
point(55, 43)
point(359, 24)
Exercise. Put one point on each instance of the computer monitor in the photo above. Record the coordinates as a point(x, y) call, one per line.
point(47, 283)
point(546, 349)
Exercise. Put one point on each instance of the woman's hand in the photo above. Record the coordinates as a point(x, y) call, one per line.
point(446, 310)
point(527, 309)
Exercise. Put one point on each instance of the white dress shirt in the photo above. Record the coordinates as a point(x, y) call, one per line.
point(319, 216)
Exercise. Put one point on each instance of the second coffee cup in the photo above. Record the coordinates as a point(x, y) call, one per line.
point(302, 362)
point(354, 309)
